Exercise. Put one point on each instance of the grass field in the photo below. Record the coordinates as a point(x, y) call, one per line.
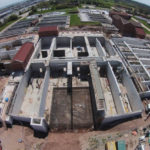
point(7, 24)
point(67, 10)
point(75, 21)
point(145, 23)
point(142, 21)
point(43, 11)
point(146, 31)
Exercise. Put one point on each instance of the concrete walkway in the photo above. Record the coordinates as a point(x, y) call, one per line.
point(142, 24)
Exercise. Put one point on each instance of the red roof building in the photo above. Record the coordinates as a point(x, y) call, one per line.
point(34, 22)
point(128, 28)
point(22, 57)
point(48, 31)
point(140, 33)
point(121, 14)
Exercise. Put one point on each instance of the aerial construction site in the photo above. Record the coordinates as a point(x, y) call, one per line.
point(80, 79)
point(70, 83)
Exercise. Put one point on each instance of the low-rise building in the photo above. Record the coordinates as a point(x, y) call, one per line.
point(128, 28)
point(48, 31)
point(121, 14)
point(22, 57)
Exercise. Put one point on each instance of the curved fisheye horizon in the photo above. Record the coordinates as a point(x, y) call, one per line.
point(74, 74)
point(5, 3)
point(147, 2)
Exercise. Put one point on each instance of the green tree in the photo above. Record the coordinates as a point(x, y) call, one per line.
point(33, 10)
point(12, 17)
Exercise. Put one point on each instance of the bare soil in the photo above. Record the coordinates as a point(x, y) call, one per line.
point(71, 111)
point(3, 82)
point(75, 140)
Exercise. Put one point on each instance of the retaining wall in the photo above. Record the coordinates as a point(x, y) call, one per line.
point(115, 90)
point(134, 98)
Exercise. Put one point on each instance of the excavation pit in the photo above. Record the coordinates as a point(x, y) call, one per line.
point(71, 111)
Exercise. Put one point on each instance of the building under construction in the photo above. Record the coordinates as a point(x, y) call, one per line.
point(74, 82)
point(135, 56)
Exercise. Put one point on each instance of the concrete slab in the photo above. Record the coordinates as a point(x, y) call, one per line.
point(110, 105)
point(31, 103)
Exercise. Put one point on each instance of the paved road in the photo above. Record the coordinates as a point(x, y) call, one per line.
point(22, 17)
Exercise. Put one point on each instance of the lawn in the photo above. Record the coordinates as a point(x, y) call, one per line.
point(74, 18)
point(67, 10)
point(145, 23)
point(43, 11)
point(2, 27)
point(75, 21)
point(146, 31)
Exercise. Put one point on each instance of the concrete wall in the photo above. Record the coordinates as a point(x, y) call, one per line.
point(44, 93)
point(120, 118)
point(37, 49)
point(40, 125)
point(57, 70)
point(21, 118)
point(63, 42)
point(88, 47)
point(53, 47)
point(134, 98)
point(109, 48)
point(100, 49)
point(115, 90)
point(35, 67)
point(19, 94)
point(98, 116)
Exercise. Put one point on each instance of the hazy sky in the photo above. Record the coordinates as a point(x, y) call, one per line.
point(4, 3)
point(144, 1)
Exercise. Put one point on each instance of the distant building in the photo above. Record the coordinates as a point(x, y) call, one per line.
point(48, 31)
point(108, 28)
point(128, 28)
point(121, 14)
point(34, 22)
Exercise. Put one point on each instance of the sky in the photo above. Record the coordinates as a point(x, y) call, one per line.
point(4, 3)
point(144, 1)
